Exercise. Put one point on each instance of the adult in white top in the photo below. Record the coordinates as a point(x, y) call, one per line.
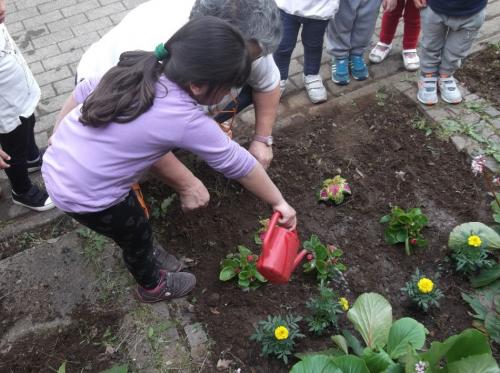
point(155, 21)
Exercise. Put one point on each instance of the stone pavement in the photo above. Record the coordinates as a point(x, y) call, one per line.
point(53, 35)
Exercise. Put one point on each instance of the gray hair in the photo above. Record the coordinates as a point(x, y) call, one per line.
point(257, 20)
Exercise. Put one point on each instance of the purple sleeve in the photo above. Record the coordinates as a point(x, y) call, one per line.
point(84, 89)
point(203, 137)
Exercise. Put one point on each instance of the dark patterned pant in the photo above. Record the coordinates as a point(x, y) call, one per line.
point(126, 224)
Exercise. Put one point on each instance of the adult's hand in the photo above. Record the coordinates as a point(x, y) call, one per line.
point(288, 215)
point(194, 196)
point(261, 152)
point(389, 5)
point(2, 11)
point(4, 157)
point(419, 4)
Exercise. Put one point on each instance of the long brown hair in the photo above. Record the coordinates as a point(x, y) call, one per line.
point(206, 51)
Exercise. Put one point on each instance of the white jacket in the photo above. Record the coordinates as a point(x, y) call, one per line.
point(19, 92)
point(316, 9)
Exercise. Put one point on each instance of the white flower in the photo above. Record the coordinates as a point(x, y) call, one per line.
point(477, 164)
point(420, 367)
point(496, 181)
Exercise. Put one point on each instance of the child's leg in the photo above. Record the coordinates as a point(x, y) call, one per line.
point(434, 32)
point(126, 224)
point(390, 21)
point(462, 33)
point(411, 25)
point(313, 32)
point(340, 29)
point(15, 144)
point(364, 26)
point(291, 26)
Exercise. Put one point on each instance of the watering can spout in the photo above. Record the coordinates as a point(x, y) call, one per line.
point(299, 258)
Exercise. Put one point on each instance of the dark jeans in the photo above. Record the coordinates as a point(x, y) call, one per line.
point(20, 145)
point(313, 31)
point(126, 224)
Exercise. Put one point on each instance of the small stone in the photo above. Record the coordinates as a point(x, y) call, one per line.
point(213, 299)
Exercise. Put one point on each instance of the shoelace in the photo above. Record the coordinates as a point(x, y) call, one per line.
point(358, 63)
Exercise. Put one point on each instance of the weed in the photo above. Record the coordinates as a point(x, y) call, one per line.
point(420, 123)
point(94, 244)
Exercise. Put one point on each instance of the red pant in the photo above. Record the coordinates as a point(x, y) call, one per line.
point(411, 19)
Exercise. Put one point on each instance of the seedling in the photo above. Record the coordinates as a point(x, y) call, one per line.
point(325, 259)
point(243, 266)
point(422, 291)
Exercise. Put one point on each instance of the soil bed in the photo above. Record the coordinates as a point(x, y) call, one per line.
point(367, 142)
point(481, 73)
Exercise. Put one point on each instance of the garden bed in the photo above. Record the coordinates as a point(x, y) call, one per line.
point(387, 162)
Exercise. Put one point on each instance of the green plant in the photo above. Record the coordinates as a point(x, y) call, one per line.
point(122, 368)
point(277, 335)
point(324, 310)
point(94, 243)
point(334, 190)
point(486, 276)
point(258, 237)
point(495, 208)
point(422, 291)
point(243, 266)
point(326, 260)
point(471, 244)
point(404, 227)
point(160, 209)
point(486, 305)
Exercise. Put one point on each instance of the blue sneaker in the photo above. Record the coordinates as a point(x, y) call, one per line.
point(357, 64)
point(340, 71)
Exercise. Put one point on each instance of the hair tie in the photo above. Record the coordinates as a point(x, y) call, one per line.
point(161, 52)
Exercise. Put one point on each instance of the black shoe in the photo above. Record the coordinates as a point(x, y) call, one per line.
point(36, 164)
point(172, 285)
point(164, 260)
point(35, 199)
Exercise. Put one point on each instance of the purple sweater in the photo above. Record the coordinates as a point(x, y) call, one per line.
point(88, 169)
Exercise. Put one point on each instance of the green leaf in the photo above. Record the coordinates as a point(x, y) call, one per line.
point(117, 369)
point(244, 251)
point(350, 364)
point(353, 342)
point(151, 332)
point(62, 368)
point(486, 276)
point(259, 276)
point(476, 305)
point(492, 325)
point(340, 341)
point(227, 273)
point(484, 363)
point(316, 364)
point(377, 361)
point(460, 234)
point(404, 332)
point(385, 219)
point(371, 316)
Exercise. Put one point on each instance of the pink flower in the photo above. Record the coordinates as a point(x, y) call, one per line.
point(496, 181)
point(477, 164)
point(323, 194)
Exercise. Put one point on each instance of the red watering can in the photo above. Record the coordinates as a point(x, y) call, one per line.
point(279, 256)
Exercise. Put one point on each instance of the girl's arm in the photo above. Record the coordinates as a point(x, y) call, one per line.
point(258, 182)
point(68, 105)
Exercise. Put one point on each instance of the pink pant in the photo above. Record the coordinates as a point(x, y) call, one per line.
point(411, 19)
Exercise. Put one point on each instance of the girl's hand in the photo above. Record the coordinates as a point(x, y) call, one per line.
point(389, 5)
point(288, 215)
point(419, 4)
point(4, 157)
point(2, 11)
point(194, 196)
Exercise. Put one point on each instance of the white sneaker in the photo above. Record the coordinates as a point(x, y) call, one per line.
point(411, 59)
point(450, 92)
point(427, 89)
point(315, 88)
point(283, 86)
point(379, 52)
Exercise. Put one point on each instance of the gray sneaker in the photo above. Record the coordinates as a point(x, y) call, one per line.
point(165, 260)
point(450, 92)
point(427, 89)
point(172, 285)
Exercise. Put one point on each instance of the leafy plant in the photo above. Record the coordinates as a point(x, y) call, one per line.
point(243, 266)
point(334, 190)
point(495, 208)
point(486, 305)
point(324, 310)
point(277, 335)
point(486, 276)
point(404, 227)
point(117, 369)
point(259, 235)
point(160, 209)
point(471, 244)
point(94, 243)
point(330, 364)
point(325, 259)
point(422, 291)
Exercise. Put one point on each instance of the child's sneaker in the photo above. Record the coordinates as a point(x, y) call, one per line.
point(357, 64)
point(283, 86)
point(35, 164)
point(340, 71)
point(427, 89)
point(315, 88)
point(172, 285)
point(35, 199)
point(164, 260)
point(450, 92)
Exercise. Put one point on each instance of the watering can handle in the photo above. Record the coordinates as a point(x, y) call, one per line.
point(272, 223)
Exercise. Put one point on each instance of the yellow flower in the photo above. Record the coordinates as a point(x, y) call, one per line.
point(425, 285)
point(344, 303)
point(281, 333)
point(474, 241)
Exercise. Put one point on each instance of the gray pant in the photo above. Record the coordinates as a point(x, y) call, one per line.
point(351, 30)
point(446, 40)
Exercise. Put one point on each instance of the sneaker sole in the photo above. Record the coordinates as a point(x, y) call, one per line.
point(360, 79)
point(341, 82)
point(426, 103)
point(39, 209)
point(451, 102)
point(34, 169)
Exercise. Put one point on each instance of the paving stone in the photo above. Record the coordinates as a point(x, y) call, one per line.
point(470, 118)
point(437, 114)
point(495, 123)
point(65, 86)
point(492, 112)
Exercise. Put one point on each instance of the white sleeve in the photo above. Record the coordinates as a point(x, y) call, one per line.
point(265, 75)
